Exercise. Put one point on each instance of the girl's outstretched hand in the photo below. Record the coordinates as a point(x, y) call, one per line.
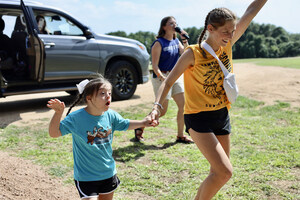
point(57, 105)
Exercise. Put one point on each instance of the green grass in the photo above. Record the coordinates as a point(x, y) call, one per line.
point(264, 152)
point(293, 62)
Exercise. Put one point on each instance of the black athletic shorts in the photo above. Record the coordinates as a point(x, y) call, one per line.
point(94, 188)
point(217, 122)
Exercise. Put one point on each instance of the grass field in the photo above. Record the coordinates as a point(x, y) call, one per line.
point(265, 155)
point(293, 62)
point(264, 152)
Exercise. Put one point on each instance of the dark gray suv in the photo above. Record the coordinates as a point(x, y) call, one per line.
point(45, 49)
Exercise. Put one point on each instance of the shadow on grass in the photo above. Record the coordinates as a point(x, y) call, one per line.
point(136, 151)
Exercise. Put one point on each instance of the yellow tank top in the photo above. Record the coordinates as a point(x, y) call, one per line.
point(203, 82)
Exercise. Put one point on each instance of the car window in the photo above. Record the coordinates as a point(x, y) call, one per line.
point(55, 24)
point(9, 24)
point(14, 21)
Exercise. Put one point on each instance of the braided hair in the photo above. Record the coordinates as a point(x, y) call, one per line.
point(91, 89)
point(217, 18)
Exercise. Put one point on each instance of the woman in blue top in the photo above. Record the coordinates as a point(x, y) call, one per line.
point(165, 52)
point(92, 130)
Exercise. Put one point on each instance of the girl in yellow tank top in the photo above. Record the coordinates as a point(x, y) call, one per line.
point(206, 105)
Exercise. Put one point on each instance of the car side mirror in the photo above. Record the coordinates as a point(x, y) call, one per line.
point(88, 34)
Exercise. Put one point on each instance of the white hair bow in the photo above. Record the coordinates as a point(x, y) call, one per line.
point(82, 85)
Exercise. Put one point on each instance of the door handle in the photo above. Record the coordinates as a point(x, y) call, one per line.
point(49, 44)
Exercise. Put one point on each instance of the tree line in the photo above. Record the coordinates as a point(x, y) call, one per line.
point(259, 41)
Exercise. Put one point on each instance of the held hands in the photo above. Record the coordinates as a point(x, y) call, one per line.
point(154, 116)
point(57, 105)
point(147, 121)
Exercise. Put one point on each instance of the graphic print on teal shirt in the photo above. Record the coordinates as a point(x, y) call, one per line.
point(98, 135)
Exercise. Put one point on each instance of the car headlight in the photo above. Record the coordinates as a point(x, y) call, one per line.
point(142, 47)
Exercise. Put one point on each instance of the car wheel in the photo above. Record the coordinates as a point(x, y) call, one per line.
point(123, 77)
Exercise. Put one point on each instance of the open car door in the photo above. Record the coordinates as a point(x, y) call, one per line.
point(34, 48)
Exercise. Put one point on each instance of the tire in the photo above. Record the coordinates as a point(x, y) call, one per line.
point(123, 77)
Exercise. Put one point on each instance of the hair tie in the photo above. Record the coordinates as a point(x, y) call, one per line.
point(82, 85)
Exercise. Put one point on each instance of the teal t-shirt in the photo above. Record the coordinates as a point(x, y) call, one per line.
point(92, 143)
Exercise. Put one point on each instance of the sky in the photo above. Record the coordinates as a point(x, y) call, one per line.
point(131, 16)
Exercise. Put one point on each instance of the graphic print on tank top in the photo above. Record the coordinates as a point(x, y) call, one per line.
point(215, 75)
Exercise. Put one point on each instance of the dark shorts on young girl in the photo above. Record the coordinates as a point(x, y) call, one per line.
point(88, 189)
point(217, 122)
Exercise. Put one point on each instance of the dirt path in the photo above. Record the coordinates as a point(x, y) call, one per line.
point(269, 84)
point(21, 179)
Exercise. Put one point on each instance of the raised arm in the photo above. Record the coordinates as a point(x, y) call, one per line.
point(246, 19)
point(58, 107)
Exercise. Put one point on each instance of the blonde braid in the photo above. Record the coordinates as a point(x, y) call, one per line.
point(202, 36)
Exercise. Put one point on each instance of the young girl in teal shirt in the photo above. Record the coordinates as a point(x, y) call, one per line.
point(92, 130)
